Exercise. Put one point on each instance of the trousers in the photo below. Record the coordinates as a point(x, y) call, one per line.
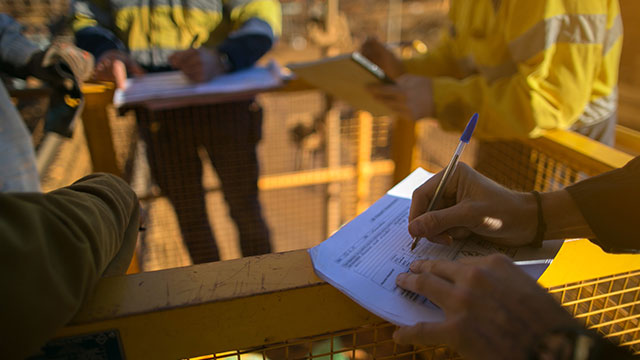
point(229, 132)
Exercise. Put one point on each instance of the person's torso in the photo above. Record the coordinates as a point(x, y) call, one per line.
point(488, 33)
point(154, 29)
point(497, 38)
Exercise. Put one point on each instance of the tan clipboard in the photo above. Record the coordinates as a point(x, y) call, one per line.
point(346, 77)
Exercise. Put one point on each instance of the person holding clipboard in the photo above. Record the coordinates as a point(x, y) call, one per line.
point(203, 39)
point(515, 62)
point(525, 66)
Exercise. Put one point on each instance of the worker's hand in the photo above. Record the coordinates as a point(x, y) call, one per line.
point(377, 53)
point(199, 65)
point(409, 98)
point(473, 204)
point(493, 310)
point(114, 65)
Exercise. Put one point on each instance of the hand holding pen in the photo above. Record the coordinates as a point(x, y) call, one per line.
point(448, 171)
point(199, 65)
point(461, 202)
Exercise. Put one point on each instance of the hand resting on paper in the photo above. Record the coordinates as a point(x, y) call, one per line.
point(474, 204)
point(493, 310)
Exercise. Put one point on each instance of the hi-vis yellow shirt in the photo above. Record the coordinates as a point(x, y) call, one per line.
point(525, 65)
point(152, 30)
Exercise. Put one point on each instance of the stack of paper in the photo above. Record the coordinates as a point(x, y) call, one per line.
point(366, 255)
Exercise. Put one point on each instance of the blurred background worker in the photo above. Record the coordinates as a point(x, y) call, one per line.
point(203, 39)
point(61, 66)
point(525, 66)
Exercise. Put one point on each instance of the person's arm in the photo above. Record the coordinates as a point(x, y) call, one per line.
point(16, 51)
point(544, 85)
point(610, 203)
point(54, 248)
point(474, 204)
point(603, 208)
point(256, 26)
point(91, 26)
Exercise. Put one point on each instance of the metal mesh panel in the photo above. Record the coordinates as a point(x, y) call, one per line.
point(300, 209)
point(610, 305)
point(516, 165)
point(370, 342)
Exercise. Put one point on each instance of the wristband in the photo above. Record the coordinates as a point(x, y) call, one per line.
point(542, 226)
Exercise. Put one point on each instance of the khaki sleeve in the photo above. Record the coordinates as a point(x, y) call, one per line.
point(54, 248)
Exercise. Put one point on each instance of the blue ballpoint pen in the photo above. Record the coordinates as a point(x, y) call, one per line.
point(448, 171)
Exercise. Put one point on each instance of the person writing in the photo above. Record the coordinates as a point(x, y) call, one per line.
point(493, 309)
point(202, 39)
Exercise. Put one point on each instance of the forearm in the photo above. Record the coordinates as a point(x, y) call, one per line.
point(97, 40)
point(610, 203)
point(57, 245)
point(91, 26)
point(562, 217)
point(244, 51)
point(248, 44)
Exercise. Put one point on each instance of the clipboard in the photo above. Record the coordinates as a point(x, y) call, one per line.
point(157, 91)
point(346, 77)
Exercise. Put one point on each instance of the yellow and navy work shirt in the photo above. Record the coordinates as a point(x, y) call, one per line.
point(151, 30)
point(525, 66)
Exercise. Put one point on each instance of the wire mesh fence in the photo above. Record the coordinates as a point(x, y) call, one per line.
point(518, 165)
point(295, 145)
point(610, 305)
point(364, 343)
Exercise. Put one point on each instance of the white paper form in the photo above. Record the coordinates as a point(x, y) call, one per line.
point(365, 256)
